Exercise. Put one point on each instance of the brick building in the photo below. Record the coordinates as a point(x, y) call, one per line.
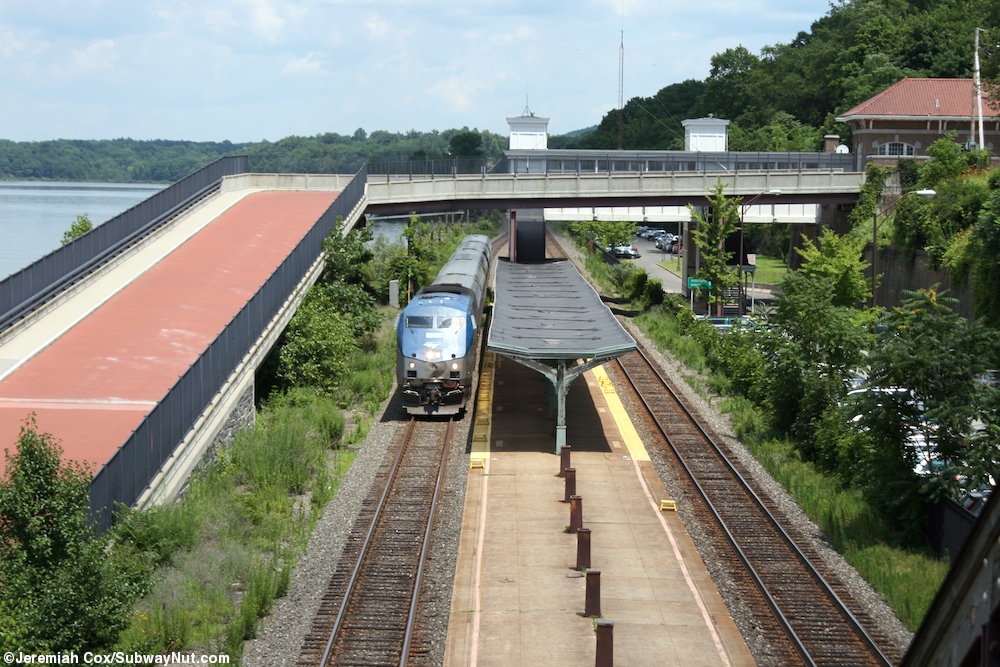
point(907, 117)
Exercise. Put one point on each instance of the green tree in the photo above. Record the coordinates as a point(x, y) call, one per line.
point(814, 343)
point(609, 233)
point(946, 162)
point(318, 347)
point(346, 254)
point(466, 143)
point(81, 226)
point(925, 395)
point(782, 133)
point(837, 262)
point(736, 87)
point(710, 234)
point(62, 586)
point(985, 268)
point(872, 75)
point(335, 320)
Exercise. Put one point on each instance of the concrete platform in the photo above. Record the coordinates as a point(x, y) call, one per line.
point(517, 599)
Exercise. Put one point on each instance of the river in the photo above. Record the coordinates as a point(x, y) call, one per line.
point(35, 214)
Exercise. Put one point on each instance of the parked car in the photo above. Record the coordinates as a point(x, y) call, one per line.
point(663, 241)
point(627, 251)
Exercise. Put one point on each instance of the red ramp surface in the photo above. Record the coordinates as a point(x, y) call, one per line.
point(94, 385)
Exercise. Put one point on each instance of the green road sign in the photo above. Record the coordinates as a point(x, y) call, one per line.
point(698, 283)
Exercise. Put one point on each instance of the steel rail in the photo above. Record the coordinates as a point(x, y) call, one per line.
point(425, 547)
point(352, 582)
point(371, 533)
point(772, 603)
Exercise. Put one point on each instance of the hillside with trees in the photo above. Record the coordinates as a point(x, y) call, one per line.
point(787, 96)
point(128, 160)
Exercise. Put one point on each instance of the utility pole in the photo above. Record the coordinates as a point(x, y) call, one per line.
point(979, 93)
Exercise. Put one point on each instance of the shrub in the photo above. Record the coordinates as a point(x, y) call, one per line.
point(319, 346)
point(62, 586)
point(652, 294)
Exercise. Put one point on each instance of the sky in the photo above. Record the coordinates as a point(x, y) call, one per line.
point(253, 70)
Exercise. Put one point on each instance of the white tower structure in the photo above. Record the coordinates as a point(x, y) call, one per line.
point(706, 135)
point(528, 132)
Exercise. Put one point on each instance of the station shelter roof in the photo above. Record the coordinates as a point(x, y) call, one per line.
point(548, 311)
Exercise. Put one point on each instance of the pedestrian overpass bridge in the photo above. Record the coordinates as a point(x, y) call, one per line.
point(400, 195)
point(136, 345)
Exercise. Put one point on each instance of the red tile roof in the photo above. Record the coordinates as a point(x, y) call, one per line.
point(937, 98)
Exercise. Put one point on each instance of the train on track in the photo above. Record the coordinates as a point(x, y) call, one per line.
point(438, 333)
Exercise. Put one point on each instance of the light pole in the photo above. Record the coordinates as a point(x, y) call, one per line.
point(885, 213)
point(743, 213)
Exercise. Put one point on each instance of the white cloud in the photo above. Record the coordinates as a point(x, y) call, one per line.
point(455, 93)
point(254, 69)
point(378, 28)
point(96, 56)
point(522, 37)
point(305, 65)
point(11, 43)
point(266, 21)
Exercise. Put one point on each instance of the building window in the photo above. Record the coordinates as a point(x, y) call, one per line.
point(895, 148)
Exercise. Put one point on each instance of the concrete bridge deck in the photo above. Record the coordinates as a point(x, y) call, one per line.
point(96, 363)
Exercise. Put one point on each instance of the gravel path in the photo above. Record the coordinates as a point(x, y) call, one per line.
point(282, 632)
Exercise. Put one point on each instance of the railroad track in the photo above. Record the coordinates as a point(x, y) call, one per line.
point(368, 614)
point(804, 619)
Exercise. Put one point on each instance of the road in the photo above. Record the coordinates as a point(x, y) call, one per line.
point(649, 258)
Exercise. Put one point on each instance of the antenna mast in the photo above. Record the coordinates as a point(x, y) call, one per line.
point(621, 78)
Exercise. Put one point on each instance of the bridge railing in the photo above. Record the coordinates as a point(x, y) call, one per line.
point(129, 471)
point(569, 161)
point(22, 292)
point(440, 167)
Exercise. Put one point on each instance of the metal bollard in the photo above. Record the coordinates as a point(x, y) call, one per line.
point(583, 549)
point(570, 484)
point(605, 644)
point(593, 603)
point(563, 460)
point(575, 513)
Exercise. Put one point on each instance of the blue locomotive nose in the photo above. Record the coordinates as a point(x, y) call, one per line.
point(437, 331)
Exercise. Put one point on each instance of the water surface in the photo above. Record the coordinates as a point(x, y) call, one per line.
point(35, 214)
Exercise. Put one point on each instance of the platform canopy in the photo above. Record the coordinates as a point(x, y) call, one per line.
point(547, 311)
point(547, 317)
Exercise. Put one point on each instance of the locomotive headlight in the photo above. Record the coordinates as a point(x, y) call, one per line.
point(431, 355)
point(454, 366)
point(413, 364)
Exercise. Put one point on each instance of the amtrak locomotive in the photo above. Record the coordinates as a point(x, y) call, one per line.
point(438, 333)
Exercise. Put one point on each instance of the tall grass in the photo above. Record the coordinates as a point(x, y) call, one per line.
point(908, 580)
point(228, 547)
point(666, 332)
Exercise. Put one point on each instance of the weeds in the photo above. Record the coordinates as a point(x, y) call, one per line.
point(228, 547)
